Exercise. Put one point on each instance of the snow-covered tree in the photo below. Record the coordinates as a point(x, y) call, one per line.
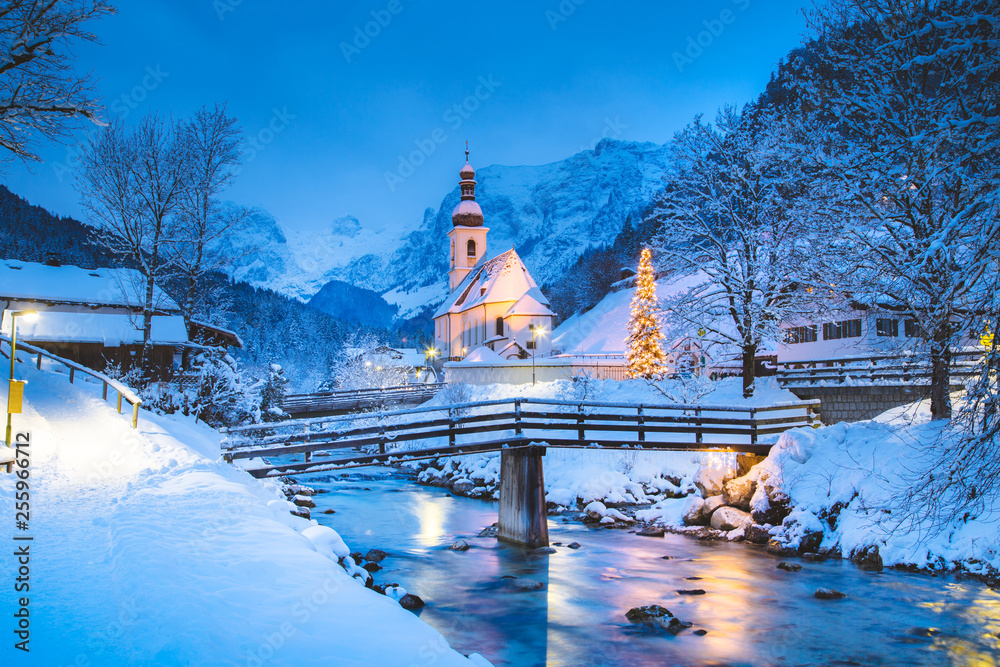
point(644, 353)
point(131, 182)
point(367, 362)
point(40, 94)
point(212, 138)
point(902, 100)
point(272, 395)
point(731, 227)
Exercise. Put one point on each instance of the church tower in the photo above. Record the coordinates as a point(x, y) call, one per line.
point(467, 236)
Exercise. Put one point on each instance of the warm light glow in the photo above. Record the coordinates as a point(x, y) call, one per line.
point(644, 353)
point(26, 315)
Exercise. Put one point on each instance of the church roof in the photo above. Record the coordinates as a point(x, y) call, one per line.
point(532, 303)
point(503, 278)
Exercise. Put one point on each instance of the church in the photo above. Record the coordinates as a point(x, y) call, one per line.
point(492, 303)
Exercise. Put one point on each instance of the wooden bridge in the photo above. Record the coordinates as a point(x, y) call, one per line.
point(338, 402)
point(520, 429)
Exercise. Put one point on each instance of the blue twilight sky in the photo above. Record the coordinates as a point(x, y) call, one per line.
point(374, 126)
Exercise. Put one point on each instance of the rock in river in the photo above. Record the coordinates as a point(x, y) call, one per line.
point(656, 616)
point(461, 545)
point(375, 556)
point(828, 594)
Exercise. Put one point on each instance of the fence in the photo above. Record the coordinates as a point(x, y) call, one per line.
point(332, 401)
point(73, 368)
point(875, 369)
point(493, 425)
point(545, 369)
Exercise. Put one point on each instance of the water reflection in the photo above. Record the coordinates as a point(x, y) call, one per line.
point(754, 614)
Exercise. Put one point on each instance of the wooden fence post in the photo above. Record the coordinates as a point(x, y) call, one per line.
point(72, 373)
point(381, 435)
point(753, 426)
point(135, 415)
point(580, 431)
point(119, 402)
point(39, 364)
point(640, 426)
point(451, 427)
point(517, 418)
point(308, 437)
point(104, 392)
point(699, 437)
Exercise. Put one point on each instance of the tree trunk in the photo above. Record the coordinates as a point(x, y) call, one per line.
point(941, 372)
point(146, 356)
point(749, 368)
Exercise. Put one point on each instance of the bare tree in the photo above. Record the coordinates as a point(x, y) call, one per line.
point(40, 94)
point(731, 226)
point(902, 99)
point(212, 138)
point(131, 183)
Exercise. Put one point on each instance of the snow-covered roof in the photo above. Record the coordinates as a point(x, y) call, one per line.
point(530, 304)
point(503, 278)
point(482, 354)
point(29, 281)
point(108, 329)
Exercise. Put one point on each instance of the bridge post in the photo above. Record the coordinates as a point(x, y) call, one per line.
point(523, 519)
point(640, 426)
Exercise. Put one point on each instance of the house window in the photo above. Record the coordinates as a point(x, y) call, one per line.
point(803, 334)
point(499, 326)
point(471, 248)
point(845, 329)
point(886, 327)
point(529, 345)
point(912, 329)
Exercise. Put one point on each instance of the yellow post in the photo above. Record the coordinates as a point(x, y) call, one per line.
point(15, 397)
point(119, 402)
point(135, 415)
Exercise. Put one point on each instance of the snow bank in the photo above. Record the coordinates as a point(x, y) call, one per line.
point(149, 550)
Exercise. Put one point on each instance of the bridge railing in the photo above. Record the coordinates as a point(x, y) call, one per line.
point(72, 369)
point(329, 401)
point(491, 425)
point(893, 369)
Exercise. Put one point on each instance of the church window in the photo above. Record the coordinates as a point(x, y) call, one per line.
point(471, 248)
point(499, 326)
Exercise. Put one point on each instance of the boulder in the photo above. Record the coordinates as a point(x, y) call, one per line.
point(788, 567)
point(573, 545)
point(329, 511)
point(811, 541)
point(778, 549)
point(656, 616)
point(651, 531)
point(596, 510)
point(757, 534)
point(713, 503)
point(729, 518)
point(691, 591)
point(461, 545)
point(462, 486)
point(519, 584)
point(868, 558)
point(828, 594)
point(358, 557)
point(739, 491)
point(372, 567)
point(411, 602)
point(489, 531)
point(695, 514)
point(710, 481)
point(301, 512)
point(543, 550)
point(375, 556)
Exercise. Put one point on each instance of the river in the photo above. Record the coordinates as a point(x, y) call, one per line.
point(754, 614)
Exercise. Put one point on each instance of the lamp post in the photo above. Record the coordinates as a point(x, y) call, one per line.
point(537, 331)
point(27, 315)
point(429, 355)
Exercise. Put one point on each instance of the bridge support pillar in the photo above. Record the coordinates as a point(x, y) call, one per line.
point(523, 519)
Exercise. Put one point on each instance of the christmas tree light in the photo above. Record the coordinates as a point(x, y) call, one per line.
point(644, 355)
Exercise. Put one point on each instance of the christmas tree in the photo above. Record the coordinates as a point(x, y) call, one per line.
point(644, 355)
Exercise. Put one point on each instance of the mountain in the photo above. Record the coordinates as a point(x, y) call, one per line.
point(353, 304)
point(552, 214)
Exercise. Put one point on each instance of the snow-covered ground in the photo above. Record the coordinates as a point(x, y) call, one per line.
point(149, 550)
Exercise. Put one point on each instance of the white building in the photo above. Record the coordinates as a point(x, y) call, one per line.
point(492, 302)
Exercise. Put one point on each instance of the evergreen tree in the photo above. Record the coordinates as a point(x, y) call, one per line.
point(644, 354)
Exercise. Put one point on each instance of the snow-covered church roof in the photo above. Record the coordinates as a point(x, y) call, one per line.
point(501, 279)
point(30, 281)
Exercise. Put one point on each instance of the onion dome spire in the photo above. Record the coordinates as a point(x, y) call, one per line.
point(467, 213)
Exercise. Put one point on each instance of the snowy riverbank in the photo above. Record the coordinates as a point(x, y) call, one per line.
point(833, 491)
point(149, 550)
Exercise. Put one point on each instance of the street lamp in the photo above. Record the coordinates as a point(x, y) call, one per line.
point(429, 355)
point(537, 331)
point(15, 390)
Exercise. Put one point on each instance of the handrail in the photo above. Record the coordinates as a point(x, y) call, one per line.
point(123, 391)
point(298, 423)
point(416, 387)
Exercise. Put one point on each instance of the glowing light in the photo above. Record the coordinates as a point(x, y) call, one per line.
point(644, 354)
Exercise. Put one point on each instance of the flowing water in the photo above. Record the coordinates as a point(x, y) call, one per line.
point(754, 614)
